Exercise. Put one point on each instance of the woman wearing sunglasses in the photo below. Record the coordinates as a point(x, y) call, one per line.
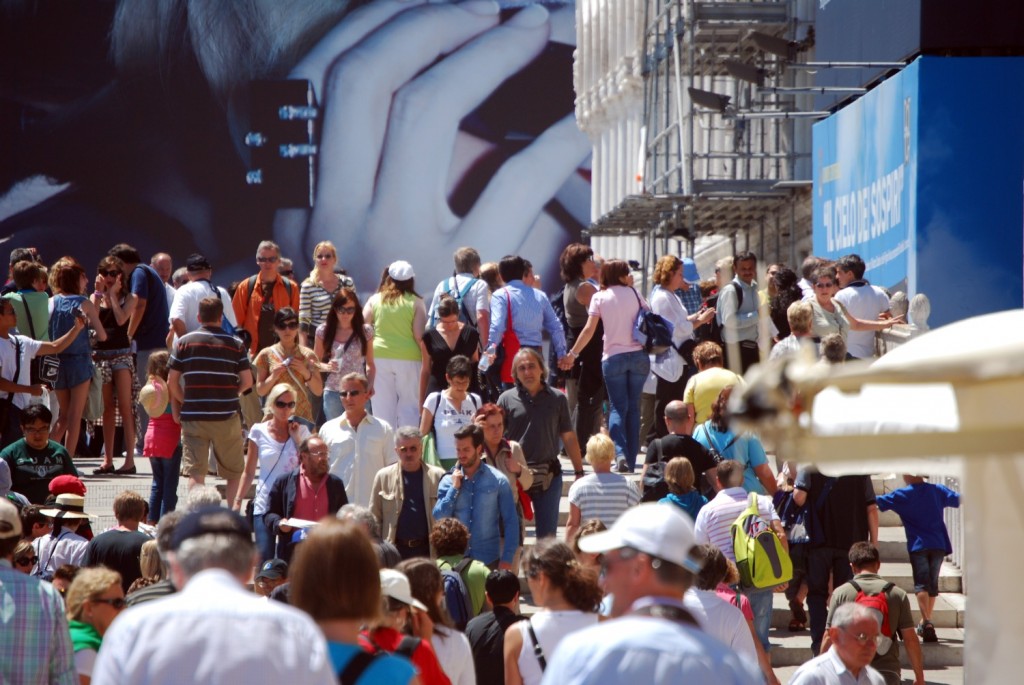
point(25, 558)
point(274, 445)
point(344, 344)
point(286, 361)
point(93, 601)
point(114, 357)
point(829, 316)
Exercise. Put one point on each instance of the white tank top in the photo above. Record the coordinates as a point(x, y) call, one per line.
point(551, 627)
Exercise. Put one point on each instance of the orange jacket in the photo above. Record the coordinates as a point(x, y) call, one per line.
point(247, 306)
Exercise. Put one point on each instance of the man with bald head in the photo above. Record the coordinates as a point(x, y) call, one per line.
point(679, 443)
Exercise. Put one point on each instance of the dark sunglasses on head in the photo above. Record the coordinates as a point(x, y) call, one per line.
point(116, 602)
point(342, 309)
point(290, 325)
point(349, 393)
point(26, 561)
point(284, 405)
point(111, 274)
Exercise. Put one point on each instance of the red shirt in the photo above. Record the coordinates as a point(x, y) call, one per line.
point(310, 502)
point(423, 658)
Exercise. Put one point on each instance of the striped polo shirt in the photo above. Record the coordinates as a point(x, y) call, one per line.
point(714, 522)
point(603, 496)
point(209, 361)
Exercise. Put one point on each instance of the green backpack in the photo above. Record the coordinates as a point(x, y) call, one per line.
point(762, 560)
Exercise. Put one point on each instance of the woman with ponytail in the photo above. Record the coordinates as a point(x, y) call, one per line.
point(568, 595)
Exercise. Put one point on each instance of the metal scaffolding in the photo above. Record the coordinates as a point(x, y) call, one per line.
point(721, 155)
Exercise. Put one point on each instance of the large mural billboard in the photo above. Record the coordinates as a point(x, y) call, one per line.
point(435, 125)
point(923, 177)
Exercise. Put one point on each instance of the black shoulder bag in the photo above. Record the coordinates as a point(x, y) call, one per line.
point(45, 368)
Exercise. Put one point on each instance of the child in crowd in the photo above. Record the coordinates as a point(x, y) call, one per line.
point(163, 437)
point(920, 505)
point(680, 478)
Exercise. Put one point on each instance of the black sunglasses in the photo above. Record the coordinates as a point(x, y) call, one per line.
point(342, 309)
point(112, 274)
point(290, 325)
point(26, 561)
point(349, 393)
point(116, 602)
point(284, 405)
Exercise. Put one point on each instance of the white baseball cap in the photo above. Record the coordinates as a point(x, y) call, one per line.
point(660, 530)
point(10, 520)
point(395, 584)
point(401, 270)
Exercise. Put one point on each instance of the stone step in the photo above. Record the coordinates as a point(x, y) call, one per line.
point(792, 649)
point(948, 613)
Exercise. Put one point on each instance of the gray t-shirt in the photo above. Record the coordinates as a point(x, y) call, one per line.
point(536, 422)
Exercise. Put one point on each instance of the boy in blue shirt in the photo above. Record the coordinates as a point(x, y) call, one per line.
point(920, 505)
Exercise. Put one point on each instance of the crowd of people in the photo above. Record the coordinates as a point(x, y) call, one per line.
point(406, 447)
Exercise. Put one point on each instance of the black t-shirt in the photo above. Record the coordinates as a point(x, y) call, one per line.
point(486, 635)
point(412, 519)
point(840, 518)
point(672, 445)
point(265, 324)
point(118, 550)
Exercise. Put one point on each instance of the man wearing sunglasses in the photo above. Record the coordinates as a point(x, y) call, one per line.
point(259, 297)
point(647, 566)
point(360, 443)
point(33, 609)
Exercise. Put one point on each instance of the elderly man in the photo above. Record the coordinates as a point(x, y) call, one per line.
point(854, 633)
point(360, 444)
point(184, 314)
point(194, 636)
point(35, 645)
point(404, 495)
point(480, 496)
point(537, 417)
point(309, 493)
point(647, 567)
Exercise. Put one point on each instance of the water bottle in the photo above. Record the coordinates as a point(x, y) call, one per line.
point(485, 358)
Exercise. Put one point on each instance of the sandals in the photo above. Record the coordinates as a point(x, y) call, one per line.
point(798, 621)
point(104, 470)
point(126, 470)
point(927, 632)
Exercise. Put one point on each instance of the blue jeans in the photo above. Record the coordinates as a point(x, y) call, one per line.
point(332, 405)
point(624, 377)
point(545, 507)
point(266, 542)
point(163, 494)
point(761, 605)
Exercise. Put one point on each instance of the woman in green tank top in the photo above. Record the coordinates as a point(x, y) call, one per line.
point(398, 316)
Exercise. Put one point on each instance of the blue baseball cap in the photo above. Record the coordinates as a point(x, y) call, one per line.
point(690, 273)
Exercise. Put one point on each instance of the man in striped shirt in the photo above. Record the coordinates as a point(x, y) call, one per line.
point(214, 368)
point(714, 525)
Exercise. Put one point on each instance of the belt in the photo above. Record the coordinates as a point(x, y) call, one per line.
point(421, 542)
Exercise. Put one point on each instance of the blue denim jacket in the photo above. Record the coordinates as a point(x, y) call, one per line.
point(486, 505)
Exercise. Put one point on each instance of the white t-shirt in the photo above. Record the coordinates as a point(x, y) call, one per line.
point(455, 656)
point(185, 305)
point(863, 302)
point(551, 628)
point(448, 419)
point(275, 460)
point(8, 364)
point(721, 619)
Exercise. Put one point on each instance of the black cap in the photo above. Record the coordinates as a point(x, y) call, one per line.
point(197, 262)
point(210, 521)
point(274, 569)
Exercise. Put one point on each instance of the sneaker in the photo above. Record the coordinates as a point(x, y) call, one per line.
point(623, 467)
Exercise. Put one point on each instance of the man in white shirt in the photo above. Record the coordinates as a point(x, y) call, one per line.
point(63, 545)
point(854, 634)
point(469, 290)
point(214, 630)
point(863, 301)
point(360, 444)
point(184, 314)
point(738, 312)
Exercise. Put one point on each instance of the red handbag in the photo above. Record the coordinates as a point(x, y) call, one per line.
point(509, 343)
point(526, 501)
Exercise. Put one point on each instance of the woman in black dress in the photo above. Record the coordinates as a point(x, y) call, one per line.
point(444, 340)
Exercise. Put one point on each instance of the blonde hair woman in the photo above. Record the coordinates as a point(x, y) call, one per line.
point(602, 495)
point(319, 289)
point(93, 601)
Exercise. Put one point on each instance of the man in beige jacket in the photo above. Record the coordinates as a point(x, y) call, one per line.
point(403, 497)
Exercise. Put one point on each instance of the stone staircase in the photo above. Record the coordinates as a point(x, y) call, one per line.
point(792, 649)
